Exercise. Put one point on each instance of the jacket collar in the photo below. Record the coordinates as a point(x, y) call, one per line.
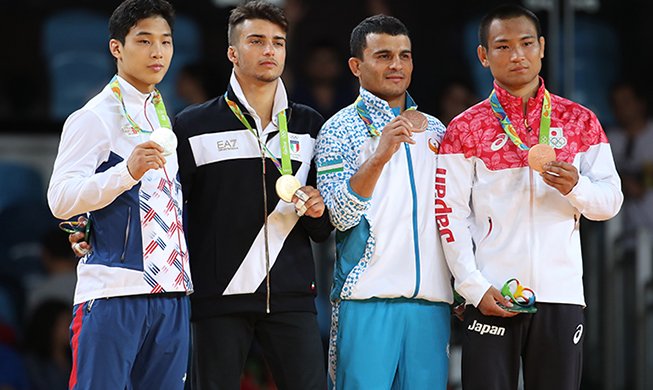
point(375, 103)
point(514, 106)
point(132, 97)
point(280, 98)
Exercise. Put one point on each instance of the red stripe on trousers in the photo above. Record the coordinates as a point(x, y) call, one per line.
point(77, 327)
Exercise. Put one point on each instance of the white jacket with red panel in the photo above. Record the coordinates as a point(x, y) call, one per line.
point(498, 219)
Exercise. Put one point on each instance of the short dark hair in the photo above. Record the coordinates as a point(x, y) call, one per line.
point(503, 12)
point(377, 24)
point(129, 12)
point(256, 10)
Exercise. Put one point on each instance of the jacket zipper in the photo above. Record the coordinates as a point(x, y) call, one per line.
point(415, 231)
point(265, 235)
point(124, 249)
point(531, 202)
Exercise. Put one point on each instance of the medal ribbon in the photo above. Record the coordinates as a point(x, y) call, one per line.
point(157, 100)
point(545, 120)
point(367, 118)
point(284, 166)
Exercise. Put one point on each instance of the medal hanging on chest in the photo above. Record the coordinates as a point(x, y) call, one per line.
point(539, 154)
point(416, 118)
point(163, 135)
point(287, 184)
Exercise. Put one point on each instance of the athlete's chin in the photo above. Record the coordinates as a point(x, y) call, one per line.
point(156, 78)
point(520, 79)
point(268, 77)
point(394, 91)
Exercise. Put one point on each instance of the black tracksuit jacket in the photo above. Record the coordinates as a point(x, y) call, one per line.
point(222, 182)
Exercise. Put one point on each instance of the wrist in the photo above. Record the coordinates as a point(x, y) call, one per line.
point(127, 176)
point(377, 160)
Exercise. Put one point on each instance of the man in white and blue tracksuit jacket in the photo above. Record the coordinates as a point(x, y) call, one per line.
point(131, 312)
point(390, 323)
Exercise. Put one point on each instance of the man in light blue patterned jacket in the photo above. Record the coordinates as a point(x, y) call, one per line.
point(377, 174)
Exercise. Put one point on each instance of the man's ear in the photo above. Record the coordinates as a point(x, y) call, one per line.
point(232, 55)
point(541, 47)
point(355, 66)
point(115, 47)
point(482, 56)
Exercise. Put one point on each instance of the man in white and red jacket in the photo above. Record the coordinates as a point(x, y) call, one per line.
point(499, 219)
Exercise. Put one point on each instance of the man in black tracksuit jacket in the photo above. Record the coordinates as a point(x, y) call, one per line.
point(250, 252)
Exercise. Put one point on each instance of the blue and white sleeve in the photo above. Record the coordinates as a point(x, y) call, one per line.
point(335, 158)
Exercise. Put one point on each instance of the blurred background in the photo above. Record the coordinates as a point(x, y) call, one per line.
point(55, 57)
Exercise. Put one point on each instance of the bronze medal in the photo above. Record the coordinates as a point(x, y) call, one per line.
point(539, 155)
point(419, 121)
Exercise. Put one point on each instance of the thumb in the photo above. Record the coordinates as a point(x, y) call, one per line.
point(504, 301)
point(500, 298)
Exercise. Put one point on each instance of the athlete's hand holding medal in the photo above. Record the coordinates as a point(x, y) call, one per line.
point(541, 157)
point(307, 199)
point(560, 175)
point(395, 133)
point(145, 156)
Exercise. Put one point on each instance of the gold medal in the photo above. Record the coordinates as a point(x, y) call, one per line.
point(286, 187)
point(539, 155)
point(419, 121)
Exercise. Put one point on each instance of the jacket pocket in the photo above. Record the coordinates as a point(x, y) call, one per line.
point(576, 226)
point(489, 231)
point(124, 247)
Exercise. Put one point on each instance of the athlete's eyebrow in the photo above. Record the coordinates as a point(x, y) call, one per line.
point(150, 34)
point(527, 36)
point(263, 36)
point(387, 51)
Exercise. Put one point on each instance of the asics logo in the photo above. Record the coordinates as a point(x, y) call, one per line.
point(578, 334)
point(499, 142)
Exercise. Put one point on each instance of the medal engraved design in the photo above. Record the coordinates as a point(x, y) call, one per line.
point(166, 139)
point(419, 121)
point(539, 155)
point(286, 187)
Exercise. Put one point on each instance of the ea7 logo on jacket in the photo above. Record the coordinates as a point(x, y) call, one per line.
point(227, 145)
point(441, 208)
point(485, 328)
